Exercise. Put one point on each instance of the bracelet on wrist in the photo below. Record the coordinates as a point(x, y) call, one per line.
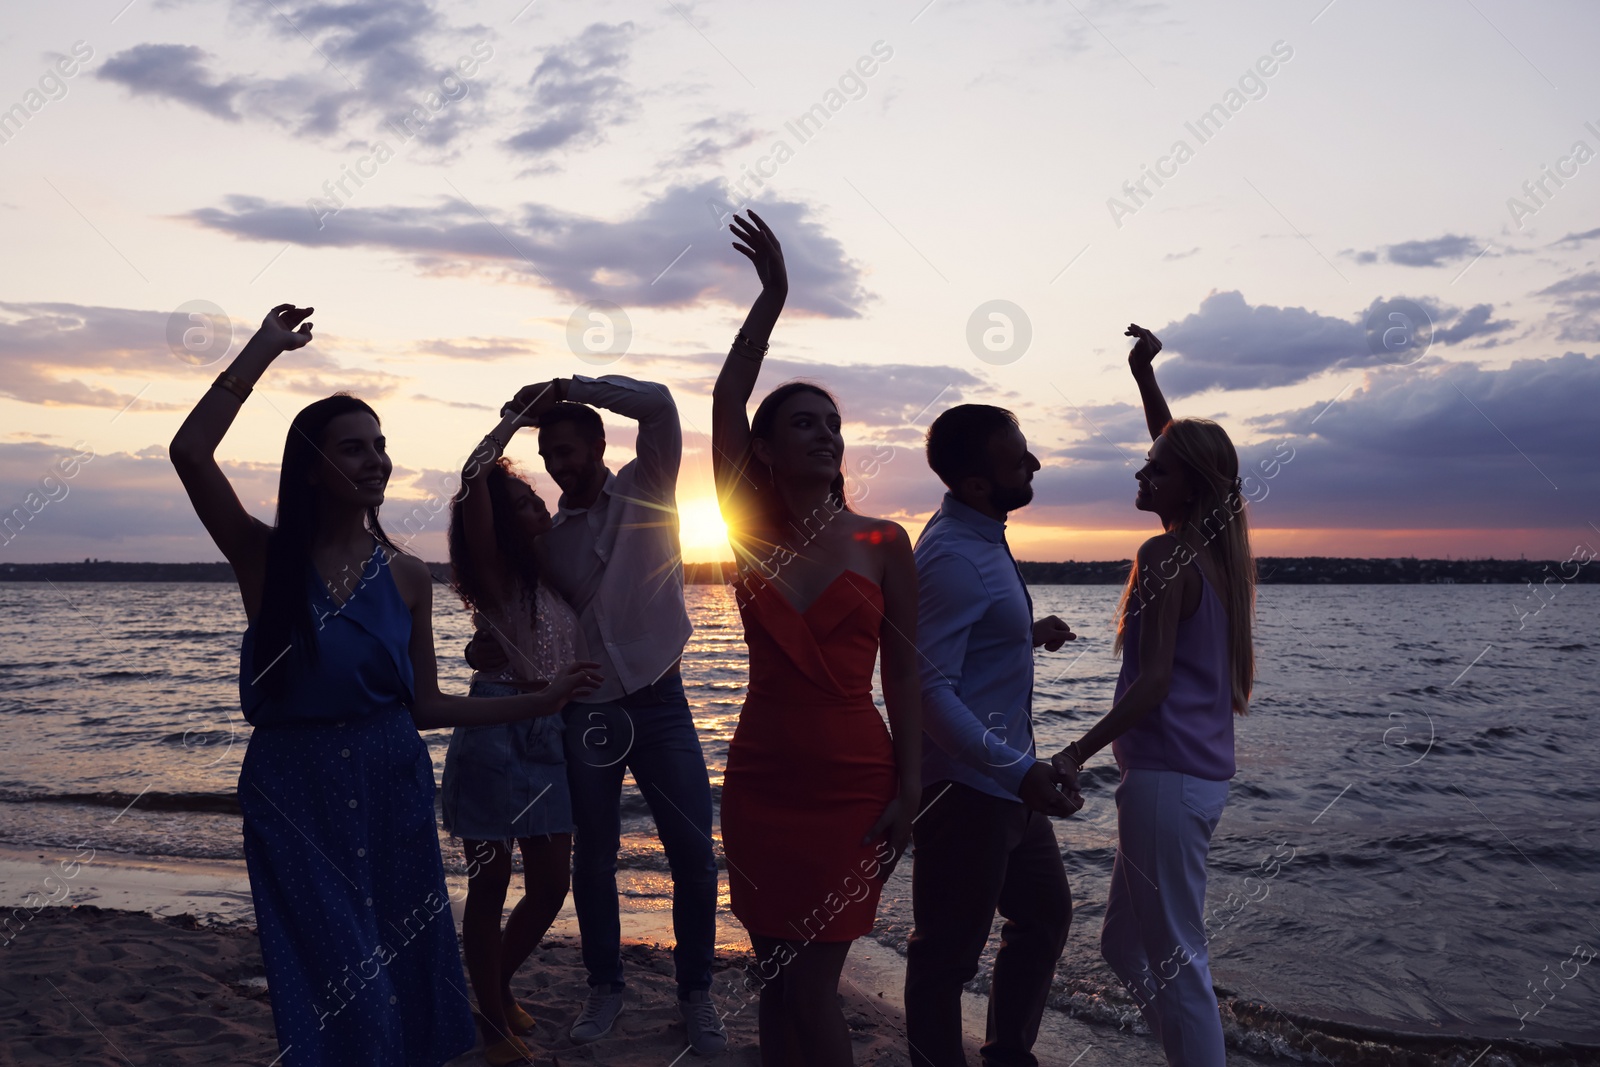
point(748, 348)
point(230, 383)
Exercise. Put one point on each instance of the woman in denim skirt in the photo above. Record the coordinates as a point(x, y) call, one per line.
point(508, 783)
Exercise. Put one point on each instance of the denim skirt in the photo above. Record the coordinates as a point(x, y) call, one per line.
point(506, 781)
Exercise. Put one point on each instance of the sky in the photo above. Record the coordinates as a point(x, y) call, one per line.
point(1366, 234)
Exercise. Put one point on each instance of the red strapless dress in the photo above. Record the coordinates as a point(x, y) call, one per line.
point(810, 768)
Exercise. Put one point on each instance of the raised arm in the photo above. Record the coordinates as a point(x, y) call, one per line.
point(1142, 362)
point(477, 517)
point(659, 444)
point(730, 421)
point(241, 537)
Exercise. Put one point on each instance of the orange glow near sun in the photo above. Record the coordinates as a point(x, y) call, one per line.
point(700, 527)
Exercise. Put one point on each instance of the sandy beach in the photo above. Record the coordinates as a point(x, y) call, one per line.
point(145, 961)
point(123, 972)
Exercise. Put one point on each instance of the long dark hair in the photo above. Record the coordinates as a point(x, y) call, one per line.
point(516, 549)
point(769, 505)
point(285, 621)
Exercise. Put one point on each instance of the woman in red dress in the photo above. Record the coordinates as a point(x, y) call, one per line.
point(818, 798)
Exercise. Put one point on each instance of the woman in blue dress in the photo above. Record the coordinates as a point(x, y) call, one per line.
point(337, 675)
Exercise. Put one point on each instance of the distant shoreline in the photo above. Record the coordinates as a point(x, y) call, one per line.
point(1271, 570)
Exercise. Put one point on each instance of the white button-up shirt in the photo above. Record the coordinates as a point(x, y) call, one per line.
point(619, 562)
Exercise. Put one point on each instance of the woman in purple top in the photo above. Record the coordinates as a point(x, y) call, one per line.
point(1187, 665)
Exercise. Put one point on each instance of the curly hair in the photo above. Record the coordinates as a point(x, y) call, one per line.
point(469, 576)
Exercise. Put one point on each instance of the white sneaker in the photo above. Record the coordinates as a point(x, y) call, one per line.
point(599, 1012)
point(706, 1035)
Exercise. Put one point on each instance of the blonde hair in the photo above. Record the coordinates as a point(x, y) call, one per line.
point(1218, 514)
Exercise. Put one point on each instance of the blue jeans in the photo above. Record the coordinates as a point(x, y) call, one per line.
point(650, 733)
point(1154, 932)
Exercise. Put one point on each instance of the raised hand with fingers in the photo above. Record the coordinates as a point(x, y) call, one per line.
point(1142, 362)
point(1145, 349)
point(762, 249)
point(278, 328)
point(533, 401)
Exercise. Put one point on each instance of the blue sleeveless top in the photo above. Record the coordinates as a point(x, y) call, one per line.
point(1192, 731)
point(364, 658)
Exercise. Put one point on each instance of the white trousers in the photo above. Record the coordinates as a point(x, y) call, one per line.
point(1154, 933)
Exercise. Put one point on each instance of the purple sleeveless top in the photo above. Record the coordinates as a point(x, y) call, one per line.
point(1192, 731)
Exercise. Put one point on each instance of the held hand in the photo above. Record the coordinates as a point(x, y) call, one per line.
point(1144, 350)
point(1066, 774)
point(577, 679)
point(1051, 633)
point(1039, 791)
point(762, 249)
point(893, 826)
point(531, 402)
point(278, 328)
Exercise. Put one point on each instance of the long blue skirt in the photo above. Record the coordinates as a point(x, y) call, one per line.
point(350, 899)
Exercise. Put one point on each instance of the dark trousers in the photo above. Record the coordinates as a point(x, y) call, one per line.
point(975, 854)
point(649, 732)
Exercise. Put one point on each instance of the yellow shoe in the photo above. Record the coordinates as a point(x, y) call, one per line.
point(518, 1019)
point(509, 1051)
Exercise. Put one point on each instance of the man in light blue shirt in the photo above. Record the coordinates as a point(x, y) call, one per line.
point(983, 839)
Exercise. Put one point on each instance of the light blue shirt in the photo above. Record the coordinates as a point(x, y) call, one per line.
point(975, 636)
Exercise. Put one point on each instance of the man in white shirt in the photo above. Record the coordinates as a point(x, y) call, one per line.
point(613, 552)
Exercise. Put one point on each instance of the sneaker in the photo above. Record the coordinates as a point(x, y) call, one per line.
point(706, 1035)
point(599, 1012)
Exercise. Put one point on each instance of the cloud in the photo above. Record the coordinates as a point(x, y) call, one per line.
point(131, 506)
point(905, 396)
point(477, 348)
point(1452, 445)
point(455, 403)
point(577, 92)
point(48, 350)
point(1578, 238)
point(1579, 297)
point(367, 62)
point(1476, 321)
point(1435, 252)
point(666, 254)
point(174, 72)
point(710, 140)
point(1108, 431)
point(1230, 344)
point(1442, 446)
point(119, 505)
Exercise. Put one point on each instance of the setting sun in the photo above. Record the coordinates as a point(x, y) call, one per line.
point(703, 534)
